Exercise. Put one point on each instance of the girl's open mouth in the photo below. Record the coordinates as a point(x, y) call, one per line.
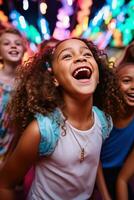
point(82, 73)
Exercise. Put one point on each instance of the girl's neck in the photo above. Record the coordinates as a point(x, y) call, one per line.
point(9, 70)
point(7, 74)
point(128, 112)
point(79, 113)
point(125, 118)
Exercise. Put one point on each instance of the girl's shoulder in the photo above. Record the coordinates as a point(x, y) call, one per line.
point(105, 120)
point(49, 131)
point(30, 138)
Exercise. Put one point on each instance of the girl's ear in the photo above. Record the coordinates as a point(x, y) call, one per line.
point(56, 83)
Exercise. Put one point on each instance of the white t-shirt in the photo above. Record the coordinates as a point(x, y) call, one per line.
point(61, 176)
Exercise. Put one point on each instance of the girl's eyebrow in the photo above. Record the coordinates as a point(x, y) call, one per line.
point(63, 51)
point(70, 48)
point(8, 40)
point(5, 39)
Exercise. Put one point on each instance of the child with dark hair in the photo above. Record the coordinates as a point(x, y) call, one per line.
point(127, 55)
point(50, 42)
point(126, 74)
point(59, 130)
point(117, 147)
point(12, 48)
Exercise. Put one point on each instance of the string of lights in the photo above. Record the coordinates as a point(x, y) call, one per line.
point(112, 24)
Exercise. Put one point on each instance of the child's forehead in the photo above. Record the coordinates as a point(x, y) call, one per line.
point(10, 35)
point(70, 44)
point(125, 68)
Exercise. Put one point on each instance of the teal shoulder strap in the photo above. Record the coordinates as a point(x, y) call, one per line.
point(49, 131)
point(106, 122)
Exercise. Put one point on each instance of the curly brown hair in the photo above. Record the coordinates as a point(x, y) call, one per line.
point(36, 92)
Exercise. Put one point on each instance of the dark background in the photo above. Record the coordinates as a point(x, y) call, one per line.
point(32, 13)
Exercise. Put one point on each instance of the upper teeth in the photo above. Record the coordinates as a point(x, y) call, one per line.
point(81, 69)
point(132, 95)
point(13, 52)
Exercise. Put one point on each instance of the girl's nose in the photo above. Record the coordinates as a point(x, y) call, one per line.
point(80, 59)
point(13, 45)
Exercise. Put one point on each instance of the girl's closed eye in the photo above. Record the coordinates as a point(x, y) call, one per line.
point(126, 80)
point(87, 54)
point(66, 56)
point(5, 43)
point(18, 43)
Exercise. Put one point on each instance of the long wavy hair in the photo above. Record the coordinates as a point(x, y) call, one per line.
point(35, 91)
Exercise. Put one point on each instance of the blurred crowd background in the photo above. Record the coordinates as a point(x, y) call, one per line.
point(110, 24)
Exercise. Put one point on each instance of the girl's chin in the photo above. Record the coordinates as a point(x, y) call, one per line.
point(130, 103)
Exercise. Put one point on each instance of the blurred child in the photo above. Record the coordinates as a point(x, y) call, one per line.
point(60, 131)
point(124, 177)
point(50, 42)
point(12, 48)
point(117, 147)
point(128, 55)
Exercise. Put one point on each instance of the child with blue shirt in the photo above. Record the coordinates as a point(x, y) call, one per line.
point(117, 147)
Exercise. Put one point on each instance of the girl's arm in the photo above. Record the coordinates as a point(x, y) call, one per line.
point(18, 163)
point(101, 185)
point(125, 174)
